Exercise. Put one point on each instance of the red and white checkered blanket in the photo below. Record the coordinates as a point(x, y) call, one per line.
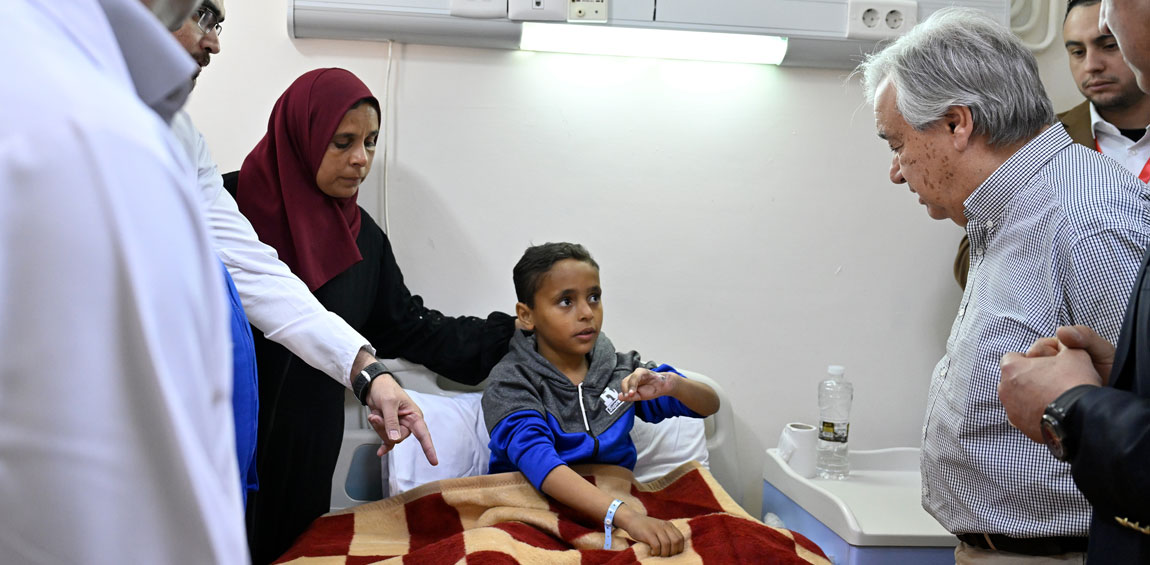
point(497, 519)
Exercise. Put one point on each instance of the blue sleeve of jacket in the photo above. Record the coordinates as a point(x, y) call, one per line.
point(523, 441)
point(659, 409)
point(245, 390)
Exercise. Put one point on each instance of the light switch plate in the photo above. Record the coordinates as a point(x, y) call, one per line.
point(587, 11)
point(537, 10)
point(479, 8)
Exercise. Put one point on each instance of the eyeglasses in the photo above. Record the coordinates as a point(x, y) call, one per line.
point(207, 20)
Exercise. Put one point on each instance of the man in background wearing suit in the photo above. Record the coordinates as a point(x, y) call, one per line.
point(1087, 400)
point(1115, 115)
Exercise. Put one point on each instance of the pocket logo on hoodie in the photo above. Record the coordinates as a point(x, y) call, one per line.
point(611, 401)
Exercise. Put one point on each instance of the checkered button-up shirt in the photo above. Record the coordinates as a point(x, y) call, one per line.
point(1057, 235)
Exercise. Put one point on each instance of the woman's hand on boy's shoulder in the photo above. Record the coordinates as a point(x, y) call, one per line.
point(644, 384)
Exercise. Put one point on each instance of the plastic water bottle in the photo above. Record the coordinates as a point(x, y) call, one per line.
point(835, 395)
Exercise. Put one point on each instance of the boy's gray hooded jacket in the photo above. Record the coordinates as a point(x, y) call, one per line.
point(539, 419)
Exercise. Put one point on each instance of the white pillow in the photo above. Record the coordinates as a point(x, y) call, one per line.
point(460, 436)
point(668, 444)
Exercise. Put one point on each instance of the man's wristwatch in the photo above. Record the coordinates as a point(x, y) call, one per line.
point(1054, 433)
point(361, 384)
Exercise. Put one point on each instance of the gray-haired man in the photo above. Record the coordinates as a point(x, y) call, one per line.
point(1056, 232)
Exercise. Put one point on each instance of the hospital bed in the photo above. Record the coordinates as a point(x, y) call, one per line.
point(401, 509)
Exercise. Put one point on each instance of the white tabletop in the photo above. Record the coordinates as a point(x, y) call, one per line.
point(879, 504)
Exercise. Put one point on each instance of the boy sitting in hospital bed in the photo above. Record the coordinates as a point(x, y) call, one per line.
point(563, 396)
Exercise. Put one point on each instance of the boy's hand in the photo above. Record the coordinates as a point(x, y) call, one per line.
point(662, 536)
point(645, 385)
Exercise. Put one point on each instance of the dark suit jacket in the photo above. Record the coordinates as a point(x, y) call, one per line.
point(1077, 123)
point(1109, 434)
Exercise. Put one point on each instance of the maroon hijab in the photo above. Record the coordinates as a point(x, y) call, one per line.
point(314, 233)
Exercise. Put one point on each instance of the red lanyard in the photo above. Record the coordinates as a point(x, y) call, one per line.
point(1144, 176)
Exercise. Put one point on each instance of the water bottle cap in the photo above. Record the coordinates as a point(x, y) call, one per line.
point(836, 370)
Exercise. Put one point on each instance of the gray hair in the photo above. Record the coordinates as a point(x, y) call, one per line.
point(962, 57)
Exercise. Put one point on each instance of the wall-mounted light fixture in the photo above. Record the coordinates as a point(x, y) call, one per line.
point(654, 43)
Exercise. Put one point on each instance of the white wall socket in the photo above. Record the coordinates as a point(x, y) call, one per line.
point(537, 10)
point(587, 11)
point(880, 19)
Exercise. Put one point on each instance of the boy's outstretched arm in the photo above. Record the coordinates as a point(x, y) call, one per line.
point(644, 384)
point(566, 486)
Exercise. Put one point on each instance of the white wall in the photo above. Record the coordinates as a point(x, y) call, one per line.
point(742, 215)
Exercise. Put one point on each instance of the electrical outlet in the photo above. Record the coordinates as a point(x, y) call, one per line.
point(894, 19)
point(537, 10)
point(880, 19)
point(587, 11)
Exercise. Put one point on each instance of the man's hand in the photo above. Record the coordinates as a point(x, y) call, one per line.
point(643, 384)
point(394, 416)
point(1044, 347)
point(1032, 381)
point(1101, 351)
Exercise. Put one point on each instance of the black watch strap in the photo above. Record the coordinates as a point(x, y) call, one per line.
point(1055, 432)
point(361, 385)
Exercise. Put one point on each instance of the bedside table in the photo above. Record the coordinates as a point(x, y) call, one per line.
point(873, 517)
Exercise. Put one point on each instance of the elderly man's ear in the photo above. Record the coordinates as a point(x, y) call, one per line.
point(960, 123)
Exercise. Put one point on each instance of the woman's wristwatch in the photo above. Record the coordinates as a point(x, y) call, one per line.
point(361, 384)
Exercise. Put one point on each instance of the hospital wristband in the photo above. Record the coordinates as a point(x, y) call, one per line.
point(608, 521)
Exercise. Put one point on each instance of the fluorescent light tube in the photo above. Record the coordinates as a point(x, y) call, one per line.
point(594, 39)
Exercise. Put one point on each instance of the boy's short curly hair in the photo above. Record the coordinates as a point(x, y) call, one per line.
point(537, 260)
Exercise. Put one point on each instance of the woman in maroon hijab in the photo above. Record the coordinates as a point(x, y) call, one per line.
point(298, 187)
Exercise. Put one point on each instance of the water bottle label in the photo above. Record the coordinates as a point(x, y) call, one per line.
point(835, 431)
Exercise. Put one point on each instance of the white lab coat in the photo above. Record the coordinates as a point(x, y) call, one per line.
point(116, 436)
point(274, 299)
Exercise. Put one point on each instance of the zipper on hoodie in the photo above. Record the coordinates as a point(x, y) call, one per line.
point(586, 426)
